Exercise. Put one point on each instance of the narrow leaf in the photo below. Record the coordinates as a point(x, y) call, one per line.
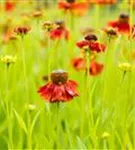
point(20, 121)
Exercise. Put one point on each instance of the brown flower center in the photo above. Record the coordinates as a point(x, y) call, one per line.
point(124, 17)
point(70, 1)
point(111, 32)
point(91, 37)
point(60, 24)
point(22, 30)
point(59, 77)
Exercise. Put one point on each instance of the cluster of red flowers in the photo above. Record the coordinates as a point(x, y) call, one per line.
point(91, 45)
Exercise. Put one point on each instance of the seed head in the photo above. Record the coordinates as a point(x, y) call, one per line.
point(59, 77)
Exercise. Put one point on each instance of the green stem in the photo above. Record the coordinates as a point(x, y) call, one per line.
point(97, 13)
point(125, 4)
point(86, 96)
point(83, 106)
point(131, 22)
point(57, 126)
point(88, 84)
point(29, 144)
point(53, 57)
point(8, 107)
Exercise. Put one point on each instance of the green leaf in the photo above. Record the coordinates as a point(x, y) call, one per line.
point(3, 126)
point(34, 121)
point(69, 136)
point(20, 121)
point(80, 144)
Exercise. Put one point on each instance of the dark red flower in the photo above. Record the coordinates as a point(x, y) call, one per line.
point(90, 43)
point(92, 46)
point(9, 5)
point(122, 24)
point(79, 63)
point(95, 68)
point(97, 47)
point(79, 8)
point(59, 89)
point(59, 33)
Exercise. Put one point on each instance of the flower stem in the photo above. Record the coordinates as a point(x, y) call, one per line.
point(27, 93)
point(8, 107)
point(97, 12)
point(52, 55)
point(89, 109)
point(86, 93)
point(131, 21)
point(57, 126)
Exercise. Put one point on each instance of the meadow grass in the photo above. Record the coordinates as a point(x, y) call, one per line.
point(101, 117)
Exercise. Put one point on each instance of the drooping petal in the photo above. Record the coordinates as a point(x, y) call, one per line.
point(96, 68)
point(46, 91)
point(71, 88)
point(59, 33)
point(82, 44)
point(79, 63)
point(97, 47)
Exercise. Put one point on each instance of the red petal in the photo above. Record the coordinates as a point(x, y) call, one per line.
point(82, 44)
point(46, 91)
point(95, 68)
point(71, 88)
point(78, 63)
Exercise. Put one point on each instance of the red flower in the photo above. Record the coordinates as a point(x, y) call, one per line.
point(59, 89)
point(59, 33)
point(76, 7)
point(122, 24)
point(95, 68)
point(97, 47)
point(9, 5)
point(79, 63)
point(87, 40)
point(82, 44)
point(92, 46)
point(90, 43)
